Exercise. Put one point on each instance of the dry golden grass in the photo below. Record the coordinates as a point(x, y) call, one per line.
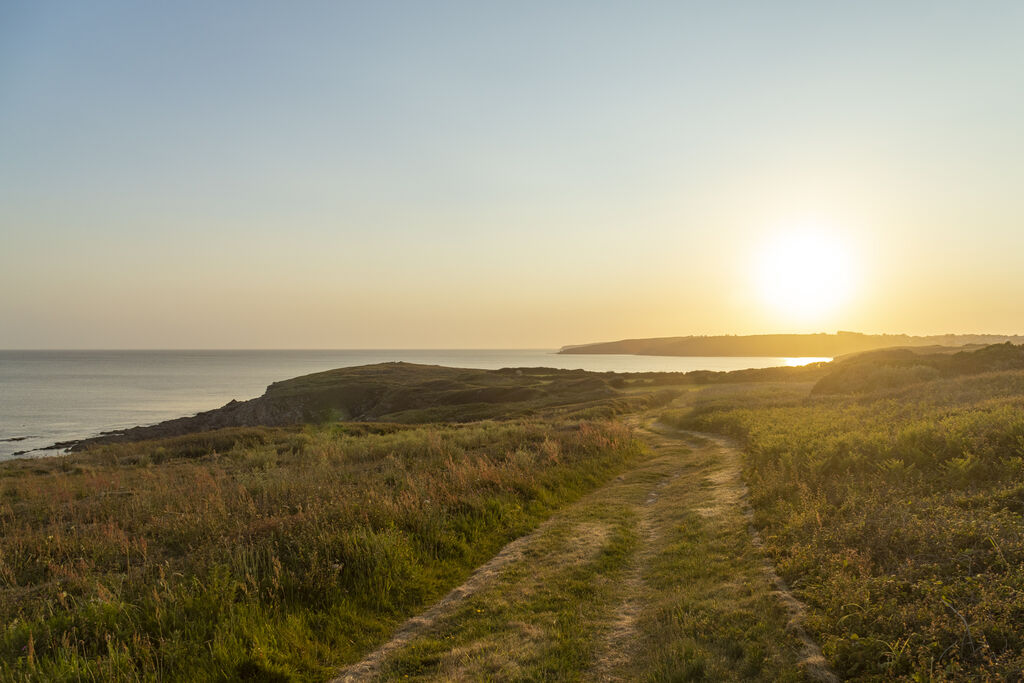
point(278, 554)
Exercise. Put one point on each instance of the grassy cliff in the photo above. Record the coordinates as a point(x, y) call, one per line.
point(406, 393)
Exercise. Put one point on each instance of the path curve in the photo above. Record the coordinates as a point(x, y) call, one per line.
point(727, 493)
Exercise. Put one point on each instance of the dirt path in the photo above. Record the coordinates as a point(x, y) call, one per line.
point(730, 493)
point(655, 574)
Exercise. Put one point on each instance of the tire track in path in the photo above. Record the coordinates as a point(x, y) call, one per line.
point(624, 546)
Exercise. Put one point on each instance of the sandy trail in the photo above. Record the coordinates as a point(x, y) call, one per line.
point(653, 492)
point(730, 491)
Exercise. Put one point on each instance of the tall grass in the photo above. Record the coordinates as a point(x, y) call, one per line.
point(267, 554)
point(897, 515)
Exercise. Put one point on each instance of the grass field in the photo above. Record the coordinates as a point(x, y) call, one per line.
point(888, 491)
point(652, 577)
point(896, 514)
point(266, 553)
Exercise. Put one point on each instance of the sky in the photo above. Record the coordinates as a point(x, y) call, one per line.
point(506, 175)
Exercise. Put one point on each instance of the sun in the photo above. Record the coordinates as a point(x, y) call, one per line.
point(805, 274)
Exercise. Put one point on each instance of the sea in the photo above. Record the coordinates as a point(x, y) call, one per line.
point(47, 397)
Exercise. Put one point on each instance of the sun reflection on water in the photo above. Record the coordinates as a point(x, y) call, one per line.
point(797, 362)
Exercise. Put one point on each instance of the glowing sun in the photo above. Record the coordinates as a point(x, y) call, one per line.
point(805, 274)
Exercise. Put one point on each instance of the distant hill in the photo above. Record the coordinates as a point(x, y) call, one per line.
point(783, 345)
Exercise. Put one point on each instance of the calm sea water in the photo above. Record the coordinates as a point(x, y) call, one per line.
point(51, 396)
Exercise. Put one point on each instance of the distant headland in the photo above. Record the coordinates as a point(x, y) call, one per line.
point(783, 345)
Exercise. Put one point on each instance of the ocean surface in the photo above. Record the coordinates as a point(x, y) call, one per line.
point(52, 396)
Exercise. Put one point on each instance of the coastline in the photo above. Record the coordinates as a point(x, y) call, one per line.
point(52, 398)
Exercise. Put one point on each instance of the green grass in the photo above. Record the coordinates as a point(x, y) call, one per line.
point(653, 577)
point(540, 620)
point(713, 615)
point(274, 554)
point(896, 514)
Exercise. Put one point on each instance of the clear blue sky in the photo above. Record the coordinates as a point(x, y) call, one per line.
point(438, 174)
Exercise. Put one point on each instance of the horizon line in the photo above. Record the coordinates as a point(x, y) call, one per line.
point(500, 348)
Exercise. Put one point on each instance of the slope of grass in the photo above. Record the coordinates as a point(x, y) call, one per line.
point(894, 368)
point(273, 554)
point(897, 515)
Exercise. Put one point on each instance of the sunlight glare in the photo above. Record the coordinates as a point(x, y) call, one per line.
point(805, 274)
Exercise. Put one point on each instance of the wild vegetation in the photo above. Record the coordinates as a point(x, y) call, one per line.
point(653, 577)
point(894, 508)
point(887, 488)
point(893, 368)
point(274, 554)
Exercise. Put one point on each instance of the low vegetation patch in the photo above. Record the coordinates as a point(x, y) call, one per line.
point(896, 514)
point(267, 553)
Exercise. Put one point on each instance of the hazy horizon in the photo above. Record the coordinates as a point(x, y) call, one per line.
point(495, 348)
point(446, 175)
